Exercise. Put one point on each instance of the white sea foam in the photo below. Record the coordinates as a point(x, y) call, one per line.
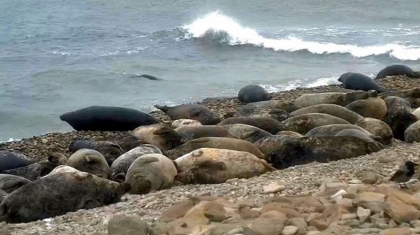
point(219, 24)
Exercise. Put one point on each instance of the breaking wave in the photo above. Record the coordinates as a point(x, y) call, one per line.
point(225, 29)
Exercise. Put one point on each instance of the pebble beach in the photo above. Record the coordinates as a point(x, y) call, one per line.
point(301, 180)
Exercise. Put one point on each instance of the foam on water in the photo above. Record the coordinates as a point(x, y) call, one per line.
point(215, 23)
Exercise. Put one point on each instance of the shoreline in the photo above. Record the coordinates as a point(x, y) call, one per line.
point(224, 105)
point(40, 146)
point(149, 207)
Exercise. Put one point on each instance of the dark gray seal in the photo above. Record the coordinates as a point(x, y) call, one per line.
point(150, 77)
point(191, 111)
point(127, 143)
point(109, 150)
point(358, 81)
point(397, 69)
point(268, 124)
point(13, 159)
point(107, 118)
point(398, 116)
point(9, 183)
point(297, 151)
point(38, 169)
point(253, 93)
point(64, 190)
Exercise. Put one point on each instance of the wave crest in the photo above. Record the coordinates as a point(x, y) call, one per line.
point(222, 28)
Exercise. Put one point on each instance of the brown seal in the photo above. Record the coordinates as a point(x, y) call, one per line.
point(268, 124)
point(306, 122)
point(247, 132)
point(215, 142)
point(120, 166)
point(159, 135)
point(195, 132)
point(91, 161)
point(377, 128)
point(214, 166)
point(150, 172)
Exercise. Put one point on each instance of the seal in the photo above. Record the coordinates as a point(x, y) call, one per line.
point(411, 95)
point(255, 111)
point(268, 124)
point(215, 142)
point(91, 161)
point(215, 166)
point(373, 107)
point(399, 116)
point(195, 132)
point(269, 144)
point(412, 133)
point(290, 133)
point(108, 149)
point(185, 122)
point(296, 151)
point(2, 195)
point(38, 169)
point(107, 118)
point(191, 111)
point(13, 159)
point(9, 183)
point(127, 142)
point(65, 186)
point(377, 128)
point(287, 106)
point(396, 70)
point(247, 132)
point(120, 166)
point(338, 98)
point(356, 133)
point(150, 172)
point(159, 135)
point(358, 81)
point(334, 129)
point(150, 77)
point(253, 93)
point(306, 122)
point(331, 109)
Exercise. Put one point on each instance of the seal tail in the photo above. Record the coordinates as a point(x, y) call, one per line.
point(163, 108)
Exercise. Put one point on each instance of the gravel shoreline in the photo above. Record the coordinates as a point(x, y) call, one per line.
point(299, 180)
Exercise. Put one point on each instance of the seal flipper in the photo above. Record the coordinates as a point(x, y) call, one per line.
point(162, 108)
point(212, 165)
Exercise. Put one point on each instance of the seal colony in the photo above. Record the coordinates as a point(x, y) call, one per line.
point(221, 154)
